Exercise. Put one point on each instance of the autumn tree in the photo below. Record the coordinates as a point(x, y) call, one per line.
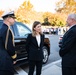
point(46, 16)
point(1, 12)
point(66, 6)
point(27, 14)
point(57, 19)
point(24, 12)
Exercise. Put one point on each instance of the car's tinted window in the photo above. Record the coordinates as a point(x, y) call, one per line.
point(22, 29)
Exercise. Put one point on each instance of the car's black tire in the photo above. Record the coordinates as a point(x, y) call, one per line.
point(45, 53)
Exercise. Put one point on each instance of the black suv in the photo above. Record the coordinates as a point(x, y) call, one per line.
point(21, 32)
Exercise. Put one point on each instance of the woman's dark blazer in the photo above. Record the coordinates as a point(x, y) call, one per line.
point(34, 52)
point(6, 62)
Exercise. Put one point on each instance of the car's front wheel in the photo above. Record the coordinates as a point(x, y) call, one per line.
point(45, 53)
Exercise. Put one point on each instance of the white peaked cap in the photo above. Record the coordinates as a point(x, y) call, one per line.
point(8, 13)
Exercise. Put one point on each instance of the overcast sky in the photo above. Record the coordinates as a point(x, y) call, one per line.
point(39, 5)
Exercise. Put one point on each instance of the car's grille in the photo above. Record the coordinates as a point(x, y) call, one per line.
point(21, 52)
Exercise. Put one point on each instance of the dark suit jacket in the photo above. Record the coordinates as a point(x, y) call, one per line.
point(68, 49)
point(34, 52)
point(6, 62)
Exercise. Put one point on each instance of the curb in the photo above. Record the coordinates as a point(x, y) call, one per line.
point(49, 65)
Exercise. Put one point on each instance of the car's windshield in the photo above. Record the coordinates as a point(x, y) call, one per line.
point(22, 29)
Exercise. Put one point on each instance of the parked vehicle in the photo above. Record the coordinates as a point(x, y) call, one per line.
point(21, 32)
point(60, 41)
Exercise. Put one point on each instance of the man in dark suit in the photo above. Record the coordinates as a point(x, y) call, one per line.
point(68, 48)
point(7, 46)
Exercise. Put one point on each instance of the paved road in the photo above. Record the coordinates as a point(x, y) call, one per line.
point(54, 56)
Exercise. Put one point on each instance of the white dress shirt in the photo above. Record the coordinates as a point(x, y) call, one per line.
point(38, 39)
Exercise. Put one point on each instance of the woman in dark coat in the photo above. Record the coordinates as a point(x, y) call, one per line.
point(34, 45)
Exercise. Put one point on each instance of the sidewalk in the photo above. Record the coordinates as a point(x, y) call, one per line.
point(52, 69)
